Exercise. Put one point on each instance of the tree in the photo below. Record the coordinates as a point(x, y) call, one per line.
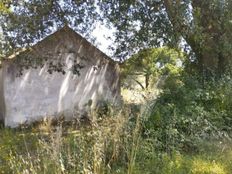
point(153, 63)
point(204, 27)
point(25, 22)
point(4, 9)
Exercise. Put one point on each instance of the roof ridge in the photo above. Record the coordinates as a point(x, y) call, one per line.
point(65, 28)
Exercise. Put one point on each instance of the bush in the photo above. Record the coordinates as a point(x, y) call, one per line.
point(189, 111)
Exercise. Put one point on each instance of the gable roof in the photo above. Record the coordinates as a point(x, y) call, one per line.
point(63, 32)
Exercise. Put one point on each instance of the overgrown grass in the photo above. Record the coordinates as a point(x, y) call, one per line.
point(111, 144)
point(214, 158)
point(106, 145)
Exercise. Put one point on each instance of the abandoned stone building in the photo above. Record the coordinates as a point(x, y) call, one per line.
point(60, 75)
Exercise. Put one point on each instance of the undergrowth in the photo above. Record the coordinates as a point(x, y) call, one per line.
point(106, 145)
point(112, 144)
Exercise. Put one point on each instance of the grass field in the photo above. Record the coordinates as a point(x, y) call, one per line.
point(109, 145)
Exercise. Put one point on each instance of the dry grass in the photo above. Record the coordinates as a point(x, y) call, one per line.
point(100, 146)
point(110, 144)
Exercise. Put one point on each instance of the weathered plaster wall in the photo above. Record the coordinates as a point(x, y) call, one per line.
point(2, 100)
point(36, 92)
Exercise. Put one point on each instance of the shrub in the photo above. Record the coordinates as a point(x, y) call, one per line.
point(189, 111)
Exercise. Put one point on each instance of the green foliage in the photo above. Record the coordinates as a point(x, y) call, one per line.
point(12, 142)
point(201, 27)
point(153, 63)
point(109, 145)
point(40, 18)
point(188, 112)
point(213, 158)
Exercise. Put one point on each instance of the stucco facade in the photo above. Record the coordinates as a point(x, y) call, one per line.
point(57, 76)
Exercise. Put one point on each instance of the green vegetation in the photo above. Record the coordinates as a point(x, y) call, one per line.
point(183, 124)
point(109, 145)
point(152, 64)
point(186, 128)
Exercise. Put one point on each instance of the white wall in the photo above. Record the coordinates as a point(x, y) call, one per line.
point(37, 93)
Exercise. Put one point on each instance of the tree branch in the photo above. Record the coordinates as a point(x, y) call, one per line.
point(140, 84)
point(179, 26)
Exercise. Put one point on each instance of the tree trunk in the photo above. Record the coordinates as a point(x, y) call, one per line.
point(204, 38)
point(147, 77)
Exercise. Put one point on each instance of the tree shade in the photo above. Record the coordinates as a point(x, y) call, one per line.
point(203, 27)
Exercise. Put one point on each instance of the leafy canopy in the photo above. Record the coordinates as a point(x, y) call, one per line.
point(201, 27)
point(25, 22)
point(153, 63)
